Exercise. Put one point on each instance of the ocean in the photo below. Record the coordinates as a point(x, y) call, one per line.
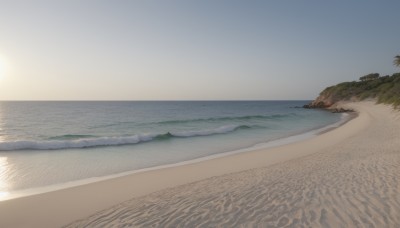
point(46, 145)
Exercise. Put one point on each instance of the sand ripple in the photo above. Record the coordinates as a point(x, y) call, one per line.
point(355, 184)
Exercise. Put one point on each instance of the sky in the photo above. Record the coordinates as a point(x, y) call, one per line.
point(191, 50)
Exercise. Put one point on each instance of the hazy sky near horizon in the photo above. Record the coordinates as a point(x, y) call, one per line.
point(191, 50)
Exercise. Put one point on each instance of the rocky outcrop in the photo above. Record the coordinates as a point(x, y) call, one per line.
point(323, 101)
point(316, 105)
point(329, 97)
point(328, 102)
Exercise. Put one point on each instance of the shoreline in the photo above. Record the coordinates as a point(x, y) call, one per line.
point(66, 205)
point(346, 117)
point(352, 183)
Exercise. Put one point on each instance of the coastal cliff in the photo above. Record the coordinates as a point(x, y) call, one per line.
point(385, 89)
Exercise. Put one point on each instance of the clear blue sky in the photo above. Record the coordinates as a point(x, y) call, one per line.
point(185, 50)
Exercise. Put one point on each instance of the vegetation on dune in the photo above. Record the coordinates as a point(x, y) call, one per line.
point(385, 89)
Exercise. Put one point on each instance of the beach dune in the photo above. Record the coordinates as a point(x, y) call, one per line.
point(347, 177)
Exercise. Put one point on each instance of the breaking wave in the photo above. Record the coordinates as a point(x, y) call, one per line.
point(84, 141)
point(200, 120)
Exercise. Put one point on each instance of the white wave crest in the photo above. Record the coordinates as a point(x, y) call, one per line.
point(108, 141)
point(220, 130)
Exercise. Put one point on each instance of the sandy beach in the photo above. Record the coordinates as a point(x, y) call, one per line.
point(347, 177)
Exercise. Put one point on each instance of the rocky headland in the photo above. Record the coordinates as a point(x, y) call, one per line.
point(385, 89)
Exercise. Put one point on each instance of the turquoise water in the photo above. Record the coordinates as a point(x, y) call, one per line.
point(49, 143)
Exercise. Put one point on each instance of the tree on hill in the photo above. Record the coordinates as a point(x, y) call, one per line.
point(369, 77)
point(397, 60)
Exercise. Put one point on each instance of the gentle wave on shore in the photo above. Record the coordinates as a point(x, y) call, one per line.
point(84, 141)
